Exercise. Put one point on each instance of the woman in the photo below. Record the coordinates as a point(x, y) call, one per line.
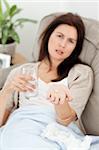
point(64, 86)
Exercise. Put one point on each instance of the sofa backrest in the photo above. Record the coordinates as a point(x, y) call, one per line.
point(89, 55)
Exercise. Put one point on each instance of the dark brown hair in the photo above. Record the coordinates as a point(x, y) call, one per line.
point(72, 20)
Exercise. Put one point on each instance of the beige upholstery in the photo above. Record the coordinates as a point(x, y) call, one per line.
point(4, 73)
point(89, 55)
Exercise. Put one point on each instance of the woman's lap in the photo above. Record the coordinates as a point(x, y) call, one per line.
point(26, 137)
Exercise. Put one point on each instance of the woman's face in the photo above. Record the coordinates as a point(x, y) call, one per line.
point(62, 42)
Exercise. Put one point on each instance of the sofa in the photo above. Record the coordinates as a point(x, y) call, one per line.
point(89, 55)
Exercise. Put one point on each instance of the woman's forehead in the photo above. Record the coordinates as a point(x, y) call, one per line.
point(66, 29)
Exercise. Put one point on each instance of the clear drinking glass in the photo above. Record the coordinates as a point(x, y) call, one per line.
point(33, 72)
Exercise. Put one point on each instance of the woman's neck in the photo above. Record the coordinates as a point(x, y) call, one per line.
point(47, 73)
point(53, 65)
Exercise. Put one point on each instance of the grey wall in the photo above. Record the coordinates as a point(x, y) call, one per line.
point(36, 9)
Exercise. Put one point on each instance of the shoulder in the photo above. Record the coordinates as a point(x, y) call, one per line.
point(80, 71)
point(19, 68)
point(80, 68)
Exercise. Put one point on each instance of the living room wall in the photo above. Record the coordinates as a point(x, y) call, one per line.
point(39, 8)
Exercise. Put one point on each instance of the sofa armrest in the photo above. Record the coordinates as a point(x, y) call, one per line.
point(4, 73)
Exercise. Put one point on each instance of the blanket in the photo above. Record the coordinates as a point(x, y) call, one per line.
point(35, 128)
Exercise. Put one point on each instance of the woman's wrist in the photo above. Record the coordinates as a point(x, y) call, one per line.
point(67, 120)
point(5, 92)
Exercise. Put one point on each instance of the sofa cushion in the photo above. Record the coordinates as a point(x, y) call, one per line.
point(89, 55)
point(4, 73)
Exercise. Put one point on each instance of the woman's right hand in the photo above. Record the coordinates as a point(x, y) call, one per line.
point(19, 83)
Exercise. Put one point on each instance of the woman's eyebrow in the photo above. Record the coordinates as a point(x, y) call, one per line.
point(59, 32)
point(72, 39)
point(64, 35)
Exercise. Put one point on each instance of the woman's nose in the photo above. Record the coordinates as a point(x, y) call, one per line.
point(63, 43)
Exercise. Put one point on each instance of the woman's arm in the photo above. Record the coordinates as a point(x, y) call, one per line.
point(60, 95)
point(65, 114)
point(4, 111)
point(80, 81)
point(16, 82)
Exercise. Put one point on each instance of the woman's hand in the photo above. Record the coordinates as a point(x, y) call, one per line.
point(20, 83)
point(58, 93)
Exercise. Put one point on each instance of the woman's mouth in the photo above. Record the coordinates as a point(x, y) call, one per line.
point(59, 52)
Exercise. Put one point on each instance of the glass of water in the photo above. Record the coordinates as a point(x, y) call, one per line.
point(33, 72)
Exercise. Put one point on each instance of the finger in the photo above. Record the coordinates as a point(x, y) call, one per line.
point(30, 86)
point(49, 94)
point(21, 81)
point(22, 87)
point(67, 99)
point(52, 96)
point(19, 89)
point(26, 77)
point(26, 83)
point(61, 100)
point(57, 99)
point(19, 86)
point(68, 95)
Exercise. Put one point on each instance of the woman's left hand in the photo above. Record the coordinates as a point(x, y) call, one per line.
point(57, 94)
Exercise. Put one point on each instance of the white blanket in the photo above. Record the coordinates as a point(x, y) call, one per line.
point(34, 127)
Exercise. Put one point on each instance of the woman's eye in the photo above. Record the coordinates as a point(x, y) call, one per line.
point(60, 36)
point(71, 41)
